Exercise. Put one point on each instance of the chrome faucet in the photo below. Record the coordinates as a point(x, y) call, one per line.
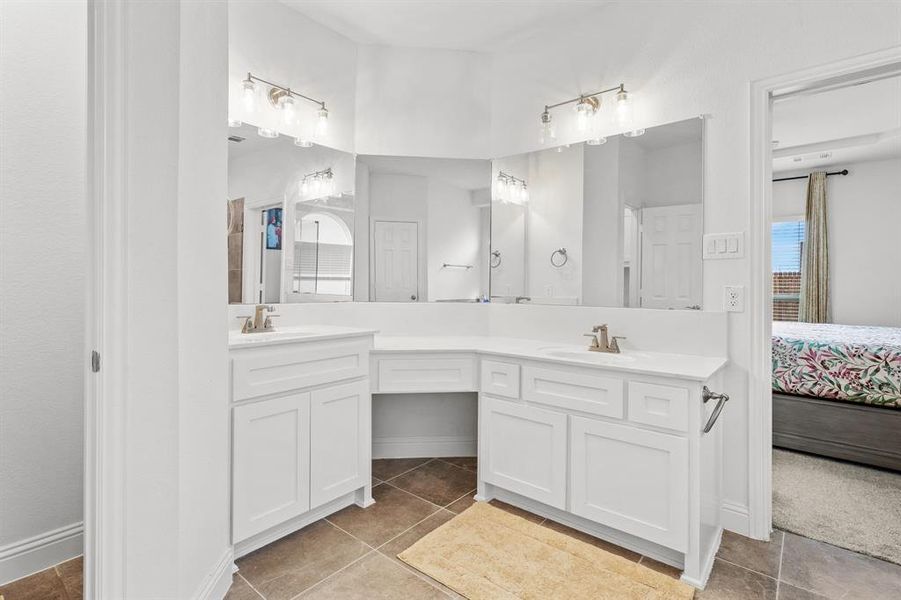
point(600, 342)
point(258, 323)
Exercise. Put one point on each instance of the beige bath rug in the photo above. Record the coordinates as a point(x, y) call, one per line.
point(486, 553)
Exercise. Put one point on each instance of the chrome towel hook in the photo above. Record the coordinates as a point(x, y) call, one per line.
point(559, 262)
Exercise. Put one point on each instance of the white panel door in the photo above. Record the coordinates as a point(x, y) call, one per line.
point(524, 450)
point(671, 256)
point(396, 251)
point(630, 479)
point(339, 441)
point(271, 463)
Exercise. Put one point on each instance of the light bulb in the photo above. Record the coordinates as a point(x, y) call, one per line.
point(623, 108)
point(303, 143)
point(321, 122)
point(596, 141)
point(289, 115)
point(234, 122)
point(249, 94)
point(267, 133)
point(546, 132)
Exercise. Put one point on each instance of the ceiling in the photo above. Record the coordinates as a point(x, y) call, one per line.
point(851, 124)
point(463, 173)
point(472, 25)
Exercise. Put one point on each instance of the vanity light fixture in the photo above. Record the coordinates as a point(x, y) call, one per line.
point(587, 106)
point(511, 190)
point(318, 184)
point(282, 99)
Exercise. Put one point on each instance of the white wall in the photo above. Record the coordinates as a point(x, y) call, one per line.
point(864, 245)
point(555, 203)
point(454, 230)
point(282, 45)
point(693, 58)
point(602, 246)
point(42, 279)
point(422, 102)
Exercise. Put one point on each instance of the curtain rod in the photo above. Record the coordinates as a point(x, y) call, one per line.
point(842, 172)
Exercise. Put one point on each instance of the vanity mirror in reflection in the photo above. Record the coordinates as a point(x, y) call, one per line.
point(290, 220)
point(427, 230)
point(616, 223)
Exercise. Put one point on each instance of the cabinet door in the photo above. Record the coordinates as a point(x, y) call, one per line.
point(339, 441)
point(524, 450)
point(271, 479)
point(631, 479)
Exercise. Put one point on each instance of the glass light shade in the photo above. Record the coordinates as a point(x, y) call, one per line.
point(501, 186)
point(249, 95)
point(234, 122)
point(624, 108)
point(596, 141)
point(546, 132)
point(523, 193)
point(303, 143)
point(289, 114)
point(634, 133)
point(513, 192)
point(304, 187)
point(321, 122)
point(267, 133)
point(584, 114)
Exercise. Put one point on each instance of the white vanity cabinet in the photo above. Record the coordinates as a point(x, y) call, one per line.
point(301, 433)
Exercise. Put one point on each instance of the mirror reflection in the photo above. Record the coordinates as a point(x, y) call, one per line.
point(290, 220)
point(616, 223)
point(428, 228)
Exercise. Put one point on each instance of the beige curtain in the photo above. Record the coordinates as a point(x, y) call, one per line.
point(814, 306)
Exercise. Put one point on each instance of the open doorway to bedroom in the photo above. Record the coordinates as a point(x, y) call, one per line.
point(835, 249)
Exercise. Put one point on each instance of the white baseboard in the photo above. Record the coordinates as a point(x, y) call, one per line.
point(40, 552)
point(423, 446)
point(216, 586)
point(736, 518)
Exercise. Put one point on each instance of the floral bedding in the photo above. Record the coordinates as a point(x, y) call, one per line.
point(838, 362)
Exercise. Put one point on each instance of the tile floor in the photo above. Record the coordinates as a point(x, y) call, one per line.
point(352, 554)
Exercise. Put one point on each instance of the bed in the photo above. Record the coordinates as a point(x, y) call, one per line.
point(837, 391)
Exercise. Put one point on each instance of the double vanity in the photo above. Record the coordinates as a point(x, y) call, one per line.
point(622, 446)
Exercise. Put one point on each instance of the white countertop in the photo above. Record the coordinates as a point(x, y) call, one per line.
point(289, 335)
point(682, 366)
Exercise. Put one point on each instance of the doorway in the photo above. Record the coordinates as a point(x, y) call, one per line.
point(396, 261)
point(763, 95)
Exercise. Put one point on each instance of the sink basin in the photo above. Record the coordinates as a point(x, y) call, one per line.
point(591, 357)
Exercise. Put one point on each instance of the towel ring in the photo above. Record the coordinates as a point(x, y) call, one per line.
point(557, 262)
point(495, 261)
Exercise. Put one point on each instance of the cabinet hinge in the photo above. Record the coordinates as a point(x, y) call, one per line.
point(95, 361)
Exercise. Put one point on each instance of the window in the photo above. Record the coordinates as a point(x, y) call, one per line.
point(788, 243)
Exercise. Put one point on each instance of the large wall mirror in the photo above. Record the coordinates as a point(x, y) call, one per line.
point(612, 224)
point(426, 237)
point(290, 220)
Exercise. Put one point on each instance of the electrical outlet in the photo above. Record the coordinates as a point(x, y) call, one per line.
point(734, 298)
point(549, 291)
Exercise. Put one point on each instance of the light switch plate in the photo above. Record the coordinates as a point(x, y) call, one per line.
point(718, 246)
point(734, 298)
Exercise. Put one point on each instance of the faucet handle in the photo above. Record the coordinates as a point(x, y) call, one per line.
point(614, 343)
point(594, 339)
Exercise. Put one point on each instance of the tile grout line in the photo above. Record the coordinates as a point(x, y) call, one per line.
point(345, 567)
point(729, 562)
point(447, 462)
point(250, 585)
point(405, 472)
point(414, 495)
point(779, 570)
point(368, 545)
point(418, 574)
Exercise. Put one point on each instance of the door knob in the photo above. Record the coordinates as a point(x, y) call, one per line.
point(413, 297)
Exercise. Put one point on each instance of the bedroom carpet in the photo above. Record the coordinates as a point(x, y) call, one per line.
point(846, 505)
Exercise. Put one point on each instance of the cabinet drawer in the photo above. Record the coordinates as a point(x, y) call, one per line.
point(658, 405)
point(500, 379)
point(584, 392)
point(432, 373)
point(265, 371)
